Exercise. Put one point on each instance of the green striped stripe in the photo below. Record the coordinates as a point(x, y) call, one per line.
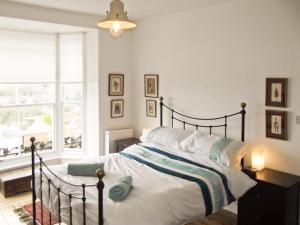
point(218, 147)
point(213, 178)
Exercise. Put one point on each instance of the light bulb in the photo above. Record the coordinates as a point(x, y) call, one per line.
point(116, 29)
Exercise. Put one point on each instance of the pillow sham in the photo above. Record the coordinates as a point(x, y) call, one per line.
point(166, 136)
point(198, 142)
point(224, 150)
point(228, 152)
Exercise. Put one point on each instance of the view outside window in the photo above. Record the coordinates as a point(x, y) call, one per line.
point(72, 79)
point(29, 92)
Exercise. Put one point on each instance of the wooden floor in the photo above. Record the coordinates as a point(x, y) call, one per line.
point(7, 206)
point(222, 217)
point(8, 217)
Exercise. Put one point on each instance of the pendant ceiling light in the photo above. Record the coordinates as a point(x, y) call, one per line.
point(116, 20)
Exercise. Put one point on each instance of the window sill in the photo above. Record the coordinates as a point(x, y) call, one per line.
point(25, 161)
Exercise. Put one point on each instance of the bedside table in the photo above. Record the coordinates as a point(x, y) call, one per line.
point(273, 201)
point(120, 145)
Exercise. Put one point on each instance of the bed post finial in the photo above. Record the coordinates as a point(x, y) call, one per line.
point(32, 140)
point(161, 110)
point(243, 105)
point(100, 186)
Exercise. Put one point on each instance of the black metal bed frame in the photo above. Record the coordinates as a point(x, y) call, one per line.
point(100, 173)
point(181, 118)
point(42, 164)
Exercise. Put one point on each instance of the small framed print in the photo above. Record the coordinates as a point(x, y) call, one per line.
point(276, 124)
point(151, 85)
point(117, 108)
point(151, 108)
point(116, 85)
point(276, 92)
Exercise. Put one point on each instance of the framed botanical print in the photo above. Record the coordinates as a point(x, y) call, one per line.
point(151, 108)
point(116, 85)
point(151, 85)
point(117, 108)
point(276, 124)
point(276, 92)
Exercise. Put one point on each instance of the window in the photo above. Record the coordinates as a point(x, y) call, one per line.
point(42, 92)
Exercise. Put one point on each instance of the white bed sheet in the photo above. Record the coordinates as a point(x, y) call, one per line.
point(156, 199)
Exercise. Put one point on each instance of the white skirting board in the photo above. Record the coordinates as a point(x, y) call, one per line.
point(112, 135)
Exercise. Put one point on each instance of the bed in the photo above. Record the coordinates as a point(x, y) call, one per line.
point(171, 186)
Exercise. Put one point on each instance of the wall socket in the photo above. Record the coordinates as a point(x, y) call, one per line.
point(298, 120)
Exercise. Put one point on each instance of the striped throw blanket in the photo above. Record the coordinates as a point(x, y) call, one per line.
point(212, 183)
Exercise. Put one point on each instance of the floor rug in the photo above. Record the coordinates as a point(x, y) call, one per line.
point(25, 215)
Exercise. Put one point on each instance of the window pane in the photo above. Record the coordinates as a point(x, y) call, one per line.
point(71, 58)
point(72, 92)
point(7, 94)
point(27, 57)
point(36, 93)
point(72, 125)
point(9, 133)
point(36, 121)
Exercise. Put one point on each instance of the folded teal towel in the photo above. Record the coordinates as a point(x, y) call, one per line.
point(121, 189)
point(81, 169)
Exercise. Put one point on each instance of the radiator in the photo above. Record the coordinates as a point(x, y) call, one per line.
point(112, 135)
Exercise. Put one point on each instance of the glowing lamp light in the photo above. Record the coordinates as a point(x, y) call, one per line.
point(258, 160)
point(116, 30)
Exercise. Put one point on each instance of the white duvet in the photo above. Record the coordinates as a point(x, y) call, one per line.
point(156, 199)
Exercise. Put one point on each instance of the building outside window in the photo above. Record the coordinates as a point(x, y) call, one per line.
point(42, 92)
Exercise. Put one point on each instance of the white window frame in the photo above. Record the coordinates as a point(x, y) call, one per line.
point(58, 149)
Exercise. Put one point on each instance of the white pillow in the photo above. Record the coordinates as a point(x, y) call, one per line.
point(166, 136)
point(226, 151)
point(199, 142)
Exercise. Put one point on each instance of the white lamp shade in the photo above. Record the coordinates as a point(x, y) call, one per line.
point(258, 160)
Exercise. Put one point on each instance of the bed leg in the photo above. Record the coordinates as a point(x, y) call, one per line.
point(32, 140)
point(100, 187)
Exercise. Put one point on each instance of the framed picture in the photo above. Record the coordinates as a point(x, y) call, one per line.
point(117, 108)
point(151, 108)
point(276, 92)
point(151, 85)
point(116, 85)
point(276, 124)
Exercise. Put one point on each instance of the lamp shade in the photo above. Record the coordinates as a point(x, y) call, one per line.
point(258, 160)
point(116, 19)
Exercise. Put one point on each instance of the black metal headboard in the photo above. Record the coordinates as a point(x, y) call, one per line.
point(179, 117)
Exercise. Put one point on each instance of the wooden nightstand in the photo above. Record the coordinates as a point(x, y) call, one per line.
point(120, 145)
point(273, 201)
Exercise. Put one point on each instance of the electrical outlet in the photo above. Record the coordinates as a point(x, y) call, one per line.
point(298, 120)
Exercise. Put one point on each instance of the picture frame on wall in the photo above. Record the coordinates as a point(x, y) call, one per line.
point(151, 108)
point(117, 108)
point(276, 92)
point(276, 124)
point(151, 85)
point(116, 85)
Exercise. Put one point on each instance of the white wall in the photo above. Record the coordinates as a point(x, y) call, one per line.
point(114, 57)
point(211, 59)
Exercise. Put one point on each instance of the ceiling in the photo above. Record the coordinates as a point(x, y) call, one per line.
point(137, 9)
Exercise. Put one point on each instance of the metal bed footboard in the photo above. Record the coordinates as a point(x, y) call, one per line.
point(42, 166)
